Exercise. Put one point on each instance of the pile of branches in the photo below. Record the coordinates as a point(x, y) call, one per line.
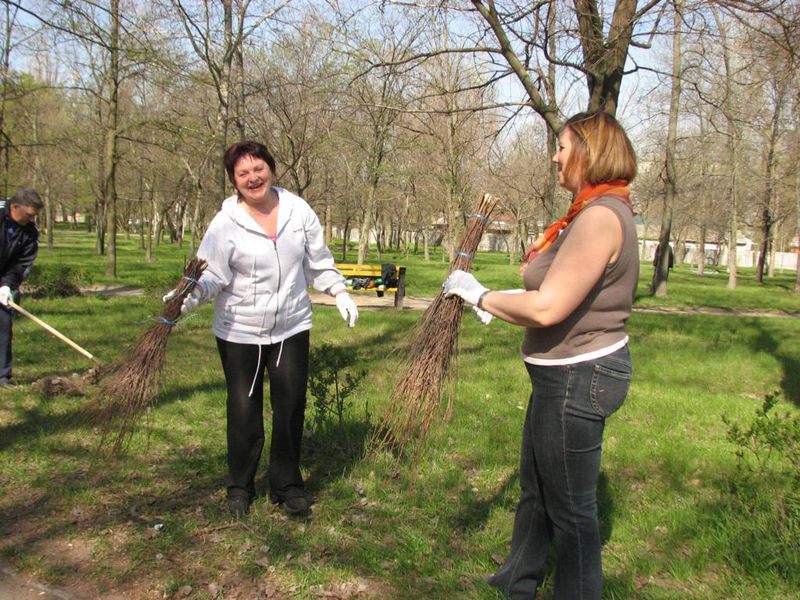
point(127, 388)
point(417, 395)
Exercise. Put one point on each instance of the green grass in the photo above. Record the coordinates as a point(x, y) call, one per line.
point(670, 527)
point(686, 288)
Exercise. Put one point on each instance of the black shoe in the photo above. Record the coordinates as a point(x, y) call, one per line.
point(6, 383)
point(296, 506)
point(238, 506)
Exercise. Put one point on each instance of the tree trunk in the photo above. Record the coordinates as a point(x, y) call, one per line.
point(733, 150)
point(100, 207)
point(513, 247)
point(680, 251)
point(111, 143)
point(661, 269)
point(366, 223)
point(797, 221)
point(733, 222)
point(345, 238)
point(767, 217)
point(764, 246)
point(701, 251)
point(148, 253)
point(5, 70)
point(552, 135)
point(328, 212)
point(49, 216)
point(141, 216)
point(772, 250)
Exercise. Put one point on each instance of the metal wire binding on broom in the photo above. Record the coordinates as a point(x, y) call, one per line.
point(165, 321)
point(181, 318)
point(127, 388)
point(416, 397)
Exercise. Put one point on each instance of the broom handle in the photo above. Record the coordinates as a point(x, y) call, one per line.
point(52, 330)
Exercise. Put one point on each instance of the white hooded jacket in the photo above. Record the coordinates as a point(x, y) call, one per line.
point(260, 285)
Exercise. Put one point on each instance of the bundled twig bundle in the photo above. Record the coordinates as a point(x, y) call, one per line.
point(417, 394)
point(128, 387)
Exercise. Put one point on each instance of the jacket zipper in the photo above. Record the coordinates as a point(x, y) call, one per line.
point(277, 290)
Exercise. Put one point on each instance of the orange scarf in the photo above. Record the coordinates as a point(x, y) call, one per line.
point(618, 187)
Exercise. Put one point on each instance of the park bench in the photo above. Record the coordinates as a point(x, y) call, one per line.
point(376, 278)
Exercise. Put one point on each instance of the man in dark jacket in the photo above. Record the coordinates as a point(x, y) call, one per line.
point(19, 242)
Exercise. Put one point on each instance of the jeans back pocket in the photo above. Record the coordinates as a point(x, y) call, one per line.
point(610, 383)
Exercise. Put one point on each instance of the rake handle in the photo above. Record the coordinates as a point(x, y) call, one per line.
point(55, 332)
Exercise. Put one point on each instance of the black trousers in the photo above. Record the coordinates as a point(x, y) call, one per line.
point(287, 368)
point(6, 335)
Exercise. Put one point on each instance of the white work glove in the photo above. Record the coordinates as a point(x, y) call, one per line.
point(347, 308)
point(5, 295)
point(463, 284)
point(192, 300)
point(485, 316)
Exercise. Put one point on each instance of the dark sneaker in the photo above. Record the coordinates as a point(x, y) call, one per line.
point(238, 506)
point(6, 383)
point(296, 506)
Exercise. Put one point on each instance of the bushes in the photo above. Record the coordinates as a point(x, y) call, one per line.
point(330, 385)
point(336, 436)
point(55, 281)
point(764, 530)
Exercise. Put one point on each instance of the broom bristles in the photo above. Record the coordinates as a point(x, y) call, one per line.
point(129, 387)
point(416, 397)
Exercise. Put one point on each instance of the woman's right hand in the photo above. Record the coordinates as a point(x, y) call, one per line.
point(192, 300)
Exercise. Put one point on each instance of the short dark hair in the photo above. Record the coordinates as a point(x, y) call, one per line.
point(27, 197)
point(246, 148)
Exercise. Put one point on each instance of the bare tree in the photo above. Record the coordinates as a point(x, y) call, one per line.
point(778, 23)
point(294, 101)
point(111, 137)
point(716, 80)
point(538, 45)
point(9, 18)
point(458, 137)
point(661, 270)
point(779, 87)
point(518, 39)
point(202, 24)
point(378, 98)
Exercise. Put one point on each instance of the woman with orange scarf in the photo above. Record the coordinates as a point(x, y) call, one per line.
point(580, 278)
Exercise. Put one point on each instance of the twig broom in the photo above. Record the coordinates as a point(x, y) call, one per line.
point(417, 395)
point(128, 387)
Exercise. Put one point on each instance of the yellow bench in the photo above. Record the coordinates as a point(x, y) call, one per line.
point(369, 278)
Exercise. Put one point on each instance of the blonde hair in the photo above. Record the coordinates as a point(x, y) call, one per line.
point(602, 151)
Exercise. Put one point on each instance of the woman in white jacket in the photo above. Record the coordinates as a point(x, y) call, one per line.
point(263, 248)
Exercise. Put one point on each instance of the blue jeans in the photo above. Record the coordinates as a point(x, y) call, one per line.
point(559, 469)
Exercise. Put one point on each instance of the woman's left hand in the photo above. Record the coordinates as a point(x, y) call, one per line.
point(347, 308)
point(463, 284)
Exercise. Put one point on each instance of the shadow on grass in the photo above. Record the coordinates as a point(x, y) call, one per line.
point(39, 420)
point(53, 510)
point(332, 453)
point(767, 342)
point(475, 514)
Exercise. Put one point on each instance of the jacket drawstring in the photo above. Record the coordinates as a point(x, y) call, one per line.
point(280, 351)
point(258, 366)
point(255, 375)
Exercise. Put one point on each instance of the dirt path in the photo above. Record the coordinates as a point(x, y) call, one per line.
point(16, 587)
point(705, 310)
point(417, 303)
point(370, 300)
